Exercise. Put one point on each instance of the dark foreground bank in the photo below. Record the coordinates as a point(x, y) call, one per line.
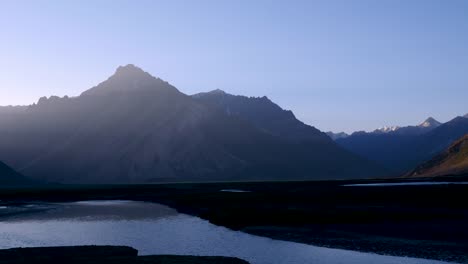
point(424, 221)
point(101, 254)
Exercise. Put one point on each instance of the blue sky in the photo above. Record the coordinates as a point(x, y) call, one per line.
point(339, 65)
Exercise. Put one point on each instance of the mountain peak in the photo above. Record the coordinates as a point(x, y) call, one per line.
point(217, 91)
point(130, 70)
point(129, 66)
point(129, 78)
point(430, 122)
point(465, 116)
point(387, 129)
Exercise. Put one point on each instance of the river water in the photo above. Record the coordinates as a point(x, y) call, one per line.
point(157, 229)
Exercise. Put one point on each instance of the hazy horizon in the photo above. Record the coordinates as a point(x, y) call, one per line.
point(337, 65)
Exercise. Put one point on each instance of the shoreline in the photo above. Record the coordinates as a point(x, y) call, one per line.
point(101, 254)
point(318, 214)
point(376, 245)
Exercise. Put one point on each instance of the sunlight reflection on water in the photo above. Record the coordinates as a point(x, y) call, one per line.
point(157, 229)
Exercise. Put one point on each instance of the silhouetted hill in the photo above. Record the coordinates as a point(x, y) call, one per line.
point(402, 152)
point(135, 128)
point(9, 177)
point(453, 161)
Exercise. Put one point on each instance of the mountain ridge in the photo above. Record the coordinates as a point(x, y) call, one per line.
point(264, 113)
point(427, 125)
point(130, 78)
point(452, 161)
point(335, 136)
point(135, 128)
point(402, 152)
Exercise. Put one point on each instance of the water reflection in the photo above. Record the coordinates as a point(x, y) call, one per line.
point(98, 210)
point(402, 184)
point(157, 229)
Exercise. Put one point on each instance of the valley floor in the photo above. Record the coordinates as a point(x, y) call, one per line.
point(425, 221)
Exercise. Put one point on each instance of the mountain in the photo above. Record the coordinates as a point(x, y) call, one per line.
point(135, 128)
point(453, 161)
point(9, 177)
point(401, 152)
point(430, 123)
point(386, 129)
point(272, 119)
point(264, 114)
point(12, 109)
point(426, 126)
point(335, 136)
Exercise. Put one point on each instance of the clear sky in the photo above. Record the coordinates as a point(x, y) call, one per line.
point(339, 65)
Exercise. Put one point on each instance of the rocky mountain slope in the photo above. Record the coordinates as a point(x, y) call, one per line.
point(264, 114)
point(452, 161)
point(135, 128)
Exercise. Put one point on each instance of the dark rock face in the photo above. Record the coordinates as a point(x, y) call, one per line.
point(135, 128)
point(272, 119)
point(9, 177)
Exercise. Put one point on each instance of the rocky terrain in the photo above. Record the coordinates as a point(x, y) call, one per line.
point(452, 161)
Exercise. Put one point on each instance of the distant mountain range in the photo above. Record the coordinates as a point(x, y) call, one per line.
point(426, 126)
point(422, 128)
point(402, 149)
point(453, 161)
point(135, 128)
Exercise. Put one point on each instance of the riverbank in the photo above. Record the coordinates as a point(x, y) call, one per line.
point(423, 221)
point(101, 255)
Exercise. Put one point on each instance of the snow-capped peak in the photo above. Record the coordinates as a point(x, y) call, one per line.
point(430, 122)
point(387, 129)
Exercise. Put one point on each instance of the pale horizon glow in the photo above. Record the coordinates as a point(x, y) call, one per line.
point(338, 65)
